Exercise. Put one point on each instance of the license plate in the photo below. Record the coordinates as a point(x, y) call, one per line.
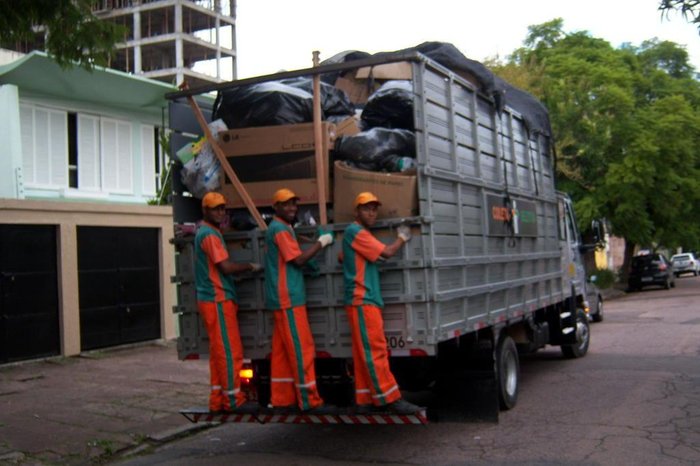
point(647, 279)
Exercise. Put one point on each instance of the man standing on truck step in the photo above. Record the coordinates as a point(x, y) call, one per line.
point(218, 306)
point(292, 374)
point(375, 386)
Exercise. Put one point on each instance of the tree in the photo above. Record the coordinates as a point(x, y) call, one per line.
point(626, 129)
point(72, 32)
point(690, 9)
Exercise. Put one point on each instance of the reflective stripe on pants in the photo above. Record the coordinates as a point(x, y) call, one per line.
point(225, 353)
point(374, 382)
point(293, 377)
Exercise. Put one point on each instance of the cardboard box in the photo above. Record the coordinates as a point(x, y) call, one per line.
point(348, 127)
point(397, 192)
point(358, 90)
point(398, 70)
point(268, 158)
point(272, 139)
point(261, 192)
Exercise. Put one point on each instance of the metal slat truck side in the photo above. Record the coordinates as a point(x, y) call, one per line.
point(490, 268)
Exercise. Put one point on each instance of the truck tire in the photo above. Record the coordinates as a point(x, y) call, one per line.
point(598, 316)
point(583, 336)
point(508, 371)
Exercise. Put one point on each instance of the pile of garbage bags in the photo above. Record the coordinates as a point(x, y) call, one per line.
point(386, 143)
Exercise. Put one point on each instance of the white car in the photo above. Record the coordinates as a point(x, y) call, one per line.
point(685, 263)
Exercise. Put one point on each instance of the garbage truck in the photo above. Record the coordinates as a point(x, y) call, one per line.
point(494, 269)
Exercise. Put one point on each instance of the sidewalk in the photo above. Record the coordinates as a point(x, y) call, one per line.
point(88, 409)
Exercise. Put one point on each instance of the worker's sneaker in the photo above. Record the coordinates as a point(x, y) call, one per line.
point(402, 406)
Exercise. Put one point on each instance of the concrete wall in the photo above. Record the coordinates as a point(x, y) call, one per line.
point(67, 216)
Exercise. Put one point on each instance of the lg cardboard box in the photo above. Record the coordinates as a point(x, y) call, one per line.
point(397, 192)
point(268, 158)
point(272, 139)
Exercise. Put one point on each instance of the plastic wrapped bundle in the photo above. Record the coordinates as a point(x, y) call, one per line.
point(264, 104)
point(379, 149)
point(335, 104)
point(391, 106)
point(202, 173)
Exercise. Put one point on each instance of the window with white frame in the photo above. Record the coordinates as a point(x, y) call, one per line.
point(44, 147)
point(87, 152)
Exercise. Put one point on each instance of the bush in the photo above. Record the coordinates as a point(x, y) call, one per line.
point(605, 278)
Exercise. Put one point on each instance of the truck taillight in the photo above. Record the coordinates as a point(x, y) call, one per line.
point(246, 373)
point(192, 357)
point(662, 267)
point(417, 352)
point(323, 354)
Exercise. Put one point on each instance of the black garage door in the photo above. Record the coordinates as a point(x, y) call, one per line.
point(28, 292)
point(119, 285)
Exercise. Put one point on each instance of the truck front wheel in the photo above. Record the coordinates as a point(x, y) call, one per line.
point(583, 336)
point(508, 370)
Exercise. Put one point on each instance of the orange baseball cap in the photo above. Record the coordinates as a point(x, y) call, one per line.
point(213, 199)
point(283, 195)
point(366, 198)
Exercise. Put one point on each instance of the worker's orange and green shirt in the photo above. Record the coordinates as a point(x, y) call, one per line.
point(209, 250)
point(361, 250)
point(284, 280)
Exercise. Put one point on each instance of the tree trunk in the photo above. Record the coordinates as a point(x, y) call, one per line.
point(629, 253)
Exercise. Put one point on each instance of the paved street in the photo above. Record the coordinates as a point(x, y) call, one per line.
point(633, 400)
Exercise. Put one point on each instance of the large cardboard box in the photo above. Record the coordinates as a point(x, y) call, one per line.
point(357, 90)
point(268, 158)
point(272, 139)
point(398, 70)
point(397, 192)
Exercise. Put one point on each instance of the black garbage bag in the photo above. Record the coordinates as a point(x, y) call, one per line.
point(379, 149)
point(390, 106)
point(335, 104)
point(263, 104)
point(342, 57)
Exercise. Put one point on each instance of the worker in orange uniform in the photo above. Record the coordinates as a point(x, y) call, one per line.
point(375, 386)
point(218, 306)
point(292, 373)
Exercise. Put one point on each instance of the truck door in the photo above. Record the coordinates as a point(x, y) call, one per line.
point(570, 238)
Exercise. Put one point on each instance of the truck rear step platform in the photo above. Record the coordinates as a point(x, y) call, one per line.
point(343, 416)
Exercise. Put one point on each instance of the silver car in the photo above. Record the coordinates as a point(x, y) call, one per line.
point(685, 263)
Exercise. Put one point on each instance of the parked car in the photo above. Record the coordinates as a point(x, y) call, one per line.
point(595, 300)
point(651, 269)
point(685, 263)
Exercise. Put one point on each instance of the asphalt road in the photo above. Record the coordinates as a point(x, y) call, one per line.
point(633, 400)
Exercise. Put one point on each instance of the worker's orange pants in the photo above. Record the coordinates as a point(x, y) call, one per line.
point(374, 382)
point(225, 353)
point(292, 373)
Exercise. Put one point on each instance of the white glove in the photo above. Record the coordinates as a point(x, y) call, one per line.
point(403, 232)
point(325, 239)
point(255, 267)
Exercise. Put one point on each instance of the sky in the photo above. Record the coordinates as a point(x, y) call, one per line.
point(275, 35)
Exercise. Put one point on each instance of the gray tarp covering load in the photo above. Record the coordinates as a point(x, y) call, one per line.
point(534, 113)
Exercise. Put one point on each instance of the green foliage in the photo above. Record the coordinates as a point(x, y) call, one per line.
point(72, 32)
point(166, 178)
point(604, 278)
point(626, 128)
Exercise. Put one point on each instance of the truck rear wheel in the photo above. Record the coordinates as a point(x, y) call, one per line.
point(508, 370)
point(580, 348)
